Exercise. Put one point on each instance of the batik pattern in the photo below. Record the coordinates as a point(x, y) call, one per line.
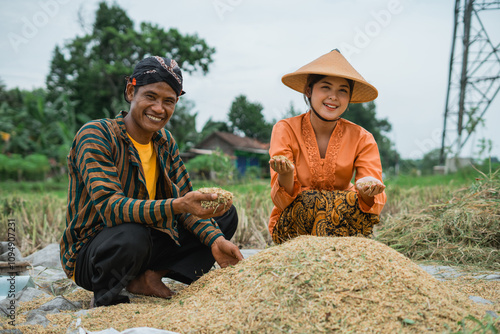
point(324, 213)
point(169, 68)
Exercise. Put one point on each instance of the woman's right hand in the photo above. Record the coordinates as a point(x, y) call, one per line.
point(281, 165)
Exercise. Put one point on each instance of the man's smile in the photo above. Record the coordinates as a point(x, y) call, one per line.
point(153, 118)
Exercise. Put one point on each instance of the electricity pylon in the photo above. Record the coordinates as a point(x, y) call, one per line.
point(474, 74)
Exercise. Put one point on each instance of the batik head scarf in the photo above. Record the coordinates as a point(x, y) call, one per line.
point(155, 69)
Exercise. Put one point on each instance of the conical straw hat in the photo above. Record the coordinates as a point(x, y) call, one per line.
point(332, 64)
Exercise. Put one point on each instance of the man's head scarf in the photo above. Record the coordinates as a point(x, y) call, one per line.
point(155, 69)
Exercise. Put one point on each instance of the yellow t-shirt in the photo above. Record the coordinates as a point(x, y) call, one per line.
point(149, 165)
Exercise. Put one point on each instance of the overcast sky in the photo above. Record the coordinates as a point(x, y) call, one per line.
point(402, 47)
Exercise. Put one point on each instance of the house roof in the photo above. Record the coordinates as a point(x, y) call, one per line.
point(242, 143)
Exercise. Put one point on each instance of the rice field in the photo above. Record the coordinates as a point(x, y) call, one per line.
point(453, 227)
point(444, 221)
point(454, 221)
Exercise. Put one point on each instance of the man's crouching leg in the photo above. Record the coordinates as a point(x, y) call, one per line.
point(113, 259)
point(149, 283)
point(192, 259)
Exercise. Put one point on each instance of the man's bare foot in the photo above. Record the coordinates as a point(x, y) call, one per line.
point(150, 284)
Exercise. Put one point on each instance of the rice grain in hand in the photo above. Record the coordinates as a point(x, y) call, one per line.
point(364, 184)
point(282, 157)
point(223, 197)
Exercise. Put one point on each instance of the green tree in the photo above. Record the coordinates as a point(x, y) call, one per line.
point(12, 98)
point(91, 69)
point(429, 160)
point(364, 114)
point(182, 125)
point(291, 111)
point(247, 117)
point(212, 126)
point(217, 165)
point(37, 126)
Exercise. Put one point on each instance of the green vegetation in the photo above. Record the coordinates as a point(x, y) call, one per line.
point(86, 82)
point(215, 165)
point(459, 227)
point(32, 167)
point(364, 114)
point(451, 219)
point(472, 325)
point(55, 187)
point(30, 125)
point(182, 125)
point(91, 68)
point(39, 218)
point(247, 117)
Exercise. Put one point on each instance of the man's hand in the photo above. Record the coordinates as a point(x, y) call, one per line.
point(369, 186)
point(225, 252)
point(191, 203)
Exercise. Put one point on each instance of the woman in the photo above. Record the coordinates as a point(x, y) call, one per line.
point(315, 155)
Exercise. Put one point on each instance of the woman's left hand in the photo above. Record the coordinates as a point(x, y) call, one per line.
point(369, 186)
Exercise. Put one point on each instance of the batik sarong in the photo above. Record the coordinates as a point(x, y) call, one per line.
point(324, 213)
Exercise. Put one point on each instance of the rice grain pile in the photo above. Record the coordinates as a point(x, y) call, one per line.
point(307, 285)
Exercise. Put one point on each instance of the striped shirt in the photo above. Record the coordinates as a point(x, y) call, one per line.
point(107, 187)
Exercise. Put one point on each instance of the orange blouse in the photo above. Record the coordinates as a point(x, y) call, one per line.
point(350, 149)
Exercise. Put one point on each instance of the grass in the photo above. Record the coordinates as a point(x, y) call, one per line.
point(57, 188)
point(38, 219)
point(457, 179)
point(456, 227)
point(453, 219)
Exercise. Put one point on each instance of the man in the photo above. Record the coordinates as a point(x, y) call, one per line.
point(133, 216)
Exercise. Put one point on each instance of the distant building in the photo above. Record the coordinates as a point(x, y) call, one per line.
point(245, 151)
